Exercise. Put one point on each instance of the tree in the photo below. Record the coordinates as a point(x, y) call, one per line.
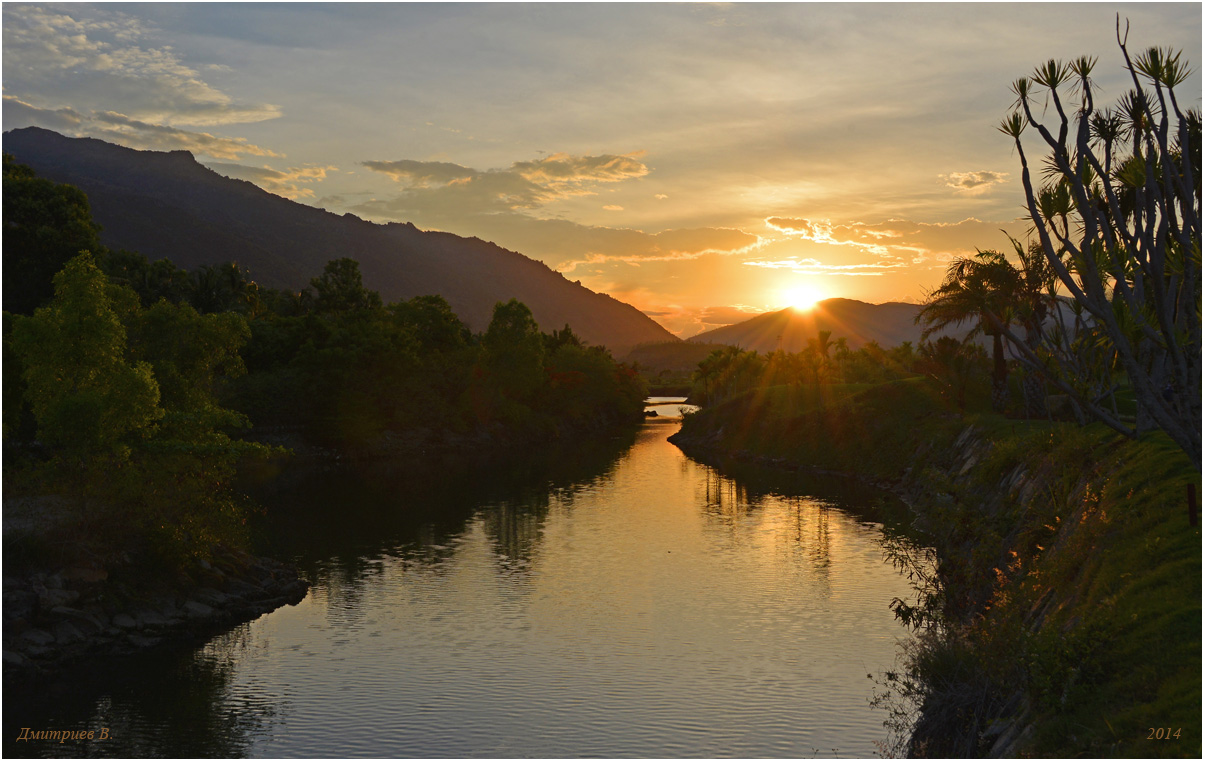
point(45, 225)
point(952, 364)
point(89, 400)
point(1118, 218)
point(514, 352)
point(982, 289)
point(340, 288)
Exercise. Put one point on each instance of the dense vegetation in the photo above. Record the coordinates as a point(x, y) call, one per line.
point(129, 384)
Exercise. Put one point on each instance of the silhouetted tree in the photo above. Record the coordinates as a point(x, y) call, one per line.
point(1118, 219)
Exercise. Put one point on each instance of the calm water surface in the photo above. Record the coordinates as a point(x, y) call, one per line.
point(622, 600)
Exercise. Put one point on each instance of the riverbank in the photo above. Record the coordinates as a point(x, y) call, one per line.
point(63, 619)
point(1064, 616)
point(69, 600)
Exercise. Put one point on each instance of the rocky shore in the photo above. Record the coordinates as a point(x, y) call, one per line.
point(55, 620)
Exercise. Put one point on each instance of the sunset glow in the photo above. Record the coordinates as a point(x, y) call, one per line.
point(802, 297)
point(731, 147)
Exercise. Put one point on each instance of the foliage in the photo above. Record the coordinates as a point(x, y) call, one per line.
point(45, 225)
point(1118, 218)
point(992, 293)
point(88, 398)
point(730, 371)
point(340, 288)
point(124, 401)
point(953, 365)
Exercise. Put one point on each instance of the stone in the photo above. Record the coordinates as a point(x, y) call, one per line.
point(150, 618)
point(38, 637)
point(85, 575)
point(66, 633)
point(50, 597)
point(142, 641)
point(197, 610)
point(14, 659)
point(84, 622)
point(242, 589)
point(124, 621)
point(20, 604)
point(210, 596)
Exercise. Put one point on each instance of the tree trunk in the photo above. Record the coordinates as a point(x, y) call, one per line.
point(1034, 387)
point(999, 375)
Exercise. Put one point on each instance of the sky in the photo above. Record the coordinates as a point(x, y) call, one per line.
point(703, 162)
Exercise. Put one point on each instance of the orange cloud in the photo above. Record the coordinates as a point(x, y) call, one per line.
point(974, 183)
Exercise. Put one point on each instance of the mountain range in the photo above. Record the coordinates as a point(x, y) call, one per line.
point(168, 205)
point(857, 322)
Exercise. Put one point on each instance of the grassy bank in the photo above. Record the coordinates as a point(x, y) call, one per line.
point(1067, 613)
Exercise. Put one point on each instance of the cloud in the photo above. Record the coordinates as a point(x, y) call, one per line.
point(287, 183)
point(563, 168)
point(974, 183)
point(422, 174)
point(523, 185)
point(19, 113)
point(634, 247)
point(895, 239)
point(808, 266)
point(93, 58)
point(123, 130)
point(503, 205)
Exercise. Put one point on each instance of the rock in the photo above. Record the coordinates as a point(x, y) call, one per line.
point(971, 461)
point(14, 659)
point(142, 641)
point(84, 622)
point(38, 637)
point(196, 610)
point(20, 604)
point(66, 633)
point(210, 596)
point(243, 589)
point(49, 597)
point(150, 618)
point(125, 622)
point(85, 575)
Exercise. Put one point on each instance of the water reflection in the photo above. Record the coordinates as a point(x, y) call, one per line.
point(146, 712)
point(613, 599)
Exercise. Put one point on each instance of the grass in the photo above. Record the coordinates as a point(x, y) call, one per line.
point(1079, 598)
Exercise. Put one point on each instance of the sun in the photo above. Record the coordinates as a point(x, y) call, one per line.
point(802, 296)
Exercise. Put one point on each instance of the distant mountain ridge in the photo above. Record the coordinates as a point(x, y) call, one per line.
point(857, 322)
point(167, 205)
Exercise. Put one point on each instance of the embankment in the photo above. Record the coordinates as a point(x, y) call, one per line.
point(61, 621)
point(1067, 614)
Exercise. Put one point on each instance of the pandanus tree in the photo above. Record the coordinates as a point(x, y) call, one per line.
point(1117, 214)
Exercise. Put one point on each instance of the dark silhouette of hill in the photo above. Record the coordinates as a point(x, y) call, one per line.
point(888, 324)
point(167, 205)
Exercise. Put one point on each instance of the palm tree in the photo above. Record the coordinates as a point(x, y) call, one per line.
point(981, 289)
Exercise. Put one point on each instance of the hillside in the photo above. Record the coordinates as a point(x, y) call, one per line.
point(857, 322)
point(1068, 590)
point(167, 205)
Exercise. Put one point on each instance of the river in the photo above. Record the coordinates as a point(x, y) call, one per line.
point(615, 599)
